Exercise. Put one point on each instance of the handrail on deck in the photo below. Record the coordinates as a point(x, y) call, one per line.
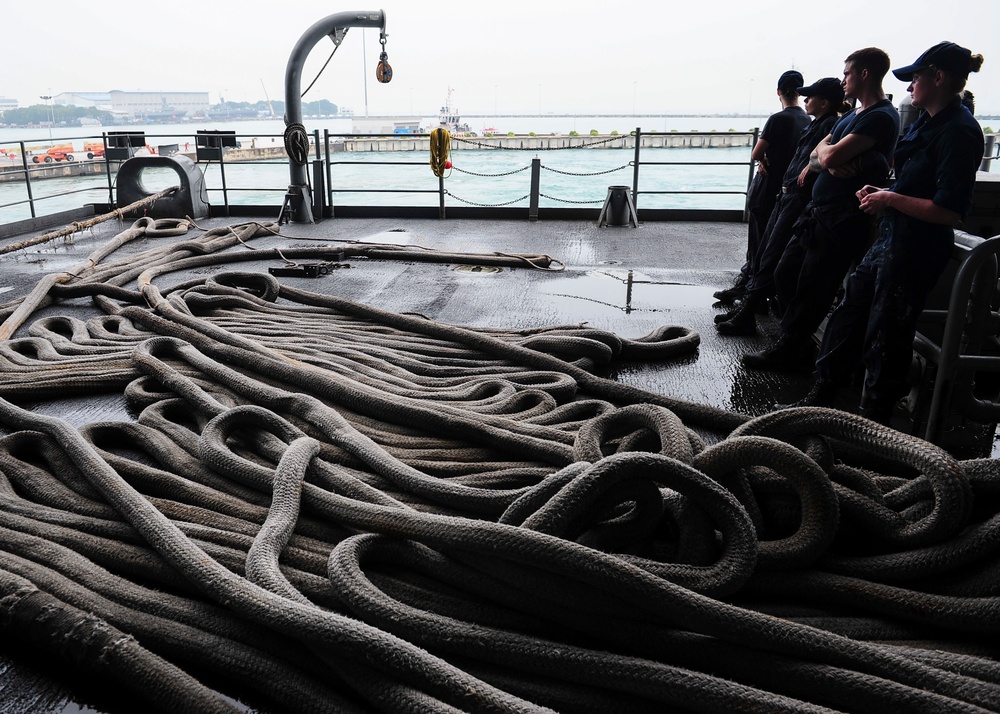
point(323, 176)
point(969, 341)
point(325, 162)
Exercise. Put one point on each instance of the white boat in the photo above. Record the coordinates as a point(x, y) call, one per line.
point(450, 119)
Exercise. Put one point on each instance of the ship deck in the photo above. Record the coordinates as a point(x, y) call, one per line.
point(624, 279)
point(675, 268)
point(627, 280)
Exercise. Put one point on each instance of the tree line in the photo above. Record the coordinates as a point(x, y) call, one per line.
point(60, 115)
point(42, 114)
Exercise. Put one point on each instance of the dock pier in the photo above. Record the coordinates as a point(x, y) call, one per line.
point(674, 139)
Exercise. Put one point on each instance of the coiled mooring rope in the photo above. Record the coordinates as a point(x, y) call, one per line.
point(440, 144)
point(297, 143)
point(331, 507)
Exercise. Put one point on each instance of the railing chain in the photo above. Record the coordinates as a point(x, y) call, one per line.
point(487, 205)
point(566, 200)
point(481, 145)
point(595, 173)
point(508, 173)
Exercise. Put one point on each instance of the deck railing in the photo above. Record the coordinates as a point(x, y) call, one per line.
point(533, 189)
point(340, 177)
point(21, 180)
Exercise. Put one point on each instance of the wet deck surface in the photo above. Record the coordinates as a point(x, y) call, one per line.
point(626, 280)
point(675, 268)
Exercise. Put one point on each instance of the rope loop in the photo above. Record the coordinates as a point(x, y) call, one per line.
point(618, 504)
point(815, 521)
point(297, 143)
point(946, 496)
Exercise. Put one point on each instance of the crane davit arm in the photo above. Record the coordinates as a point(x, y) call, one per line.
point(298, 200)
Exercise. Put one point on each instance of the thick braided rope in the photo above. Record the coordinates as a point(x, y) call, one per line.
point(312, 624)
point(478, 494)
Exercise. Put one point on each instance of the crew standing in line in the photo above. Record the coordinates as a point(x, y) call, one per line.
point(824, 101)
point(772, 152)
point(833, 234)
point(936, 163)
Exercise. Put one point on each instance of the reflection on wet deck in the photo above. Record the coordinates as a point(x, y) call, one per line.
point(630, 291)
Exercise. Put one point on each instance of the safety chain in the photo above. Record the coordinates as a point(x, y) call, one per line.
point(566, 200)
point(508, 173)
point(481, 145)
point(487, 205)
point(595, 173)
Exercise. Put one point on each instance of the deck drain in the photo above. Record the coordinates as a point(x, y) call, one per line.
point(609, 262)
point(485, 269)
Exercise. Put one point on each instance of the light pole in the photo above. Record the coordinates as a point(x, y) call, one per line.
point(364, 67)
point(48, 107)
point(635, 87)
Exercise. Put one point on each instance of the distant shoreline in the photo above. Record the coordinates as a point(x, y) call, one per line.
point(376, 117)
point(420, 117)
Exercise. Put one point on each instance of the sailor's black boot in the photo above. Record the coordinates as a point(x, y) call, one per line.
point(743, 321)
point(727, 315)
point(738, 290)
point(788, 354)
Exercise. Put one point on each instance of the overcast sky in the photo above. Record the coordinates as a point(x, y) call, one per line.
point(507, 56)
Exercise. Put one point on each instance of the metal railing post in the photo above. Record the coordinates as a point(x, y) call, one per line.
point(222, 171)
point(319, 190)
point(329, 170)
point(107, 169)
point(536, 172)
point(27, 179)
point(635, 167)
point(441, 213)
point(746, 204)
point(988, 155)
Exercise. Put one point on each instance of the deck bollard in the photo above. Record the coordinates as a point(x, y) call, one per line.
point(989, 156)
point(190, 200)
point(618, 210)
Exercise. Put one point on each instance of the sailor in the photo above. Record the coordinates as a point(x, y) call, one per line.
point(833, 233)
point(772, 152)
point(824, 101)
point(935, 164)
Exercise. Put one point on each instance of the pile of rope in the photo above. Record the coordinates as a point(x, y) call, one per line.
point(322, 506)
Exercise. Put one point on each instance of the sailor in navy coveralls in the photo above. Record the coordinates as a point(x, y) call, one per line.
point(935, 164)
